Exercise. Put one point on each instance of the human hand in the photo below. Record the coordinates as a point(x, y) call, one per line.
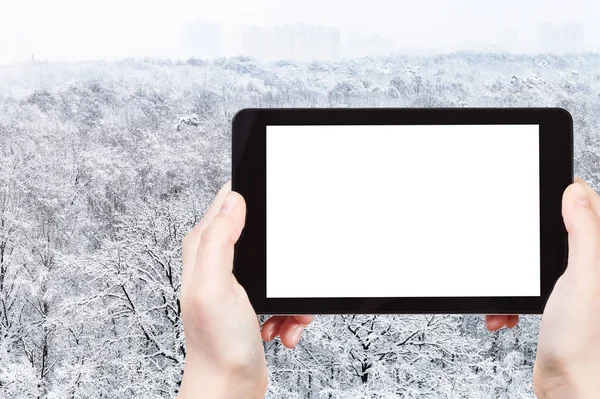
point(224, 351)
point(568, 356)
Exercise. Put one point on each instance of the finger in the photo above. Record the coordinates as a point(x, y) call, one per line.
point(593, 196)
point(189, 246)
point(271, 327)
point(583, 226)
point(512, 321)
point(290, 332)
point(304, 319)
point(214, 260)
point(495, 322)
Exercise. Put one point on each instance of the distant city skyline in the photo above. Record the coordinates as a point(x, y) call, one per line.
point(561, 38)
point(307, 42)
point(64, 30)
point(297, 42)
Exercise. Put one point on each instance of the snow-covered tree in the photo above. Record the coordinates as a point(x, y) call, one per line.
point(105, 166)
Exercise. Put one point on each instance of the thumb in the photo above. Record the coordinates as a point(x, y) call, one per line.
point(214, 259)
point(583, 226)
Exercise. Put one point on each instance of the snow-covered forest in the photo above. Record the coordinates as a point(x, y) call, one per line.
point(105, 166)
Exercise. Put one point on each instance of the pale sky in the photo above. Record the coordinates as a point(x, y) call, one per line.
point(112, 29)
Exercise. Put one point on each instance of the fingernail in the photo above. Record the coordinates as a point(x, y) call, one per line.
point(580, 194)
point(297, 334)
point(229, 204)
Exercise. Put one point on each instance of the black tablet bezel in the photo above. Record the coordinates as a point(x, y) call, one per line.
point(249, 179)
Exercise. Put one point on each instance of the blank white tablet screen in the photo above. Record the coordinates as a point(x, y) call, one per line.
point(403, 211)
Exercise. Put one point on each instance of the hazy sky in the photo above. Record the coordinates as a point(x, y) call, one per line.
point(110, 29)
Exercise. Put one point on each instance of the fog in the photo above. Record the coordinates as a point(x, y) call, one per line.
point(106, 30)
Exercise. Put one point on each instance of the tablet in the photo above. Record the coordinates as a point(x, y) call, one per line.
point(401, 210)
